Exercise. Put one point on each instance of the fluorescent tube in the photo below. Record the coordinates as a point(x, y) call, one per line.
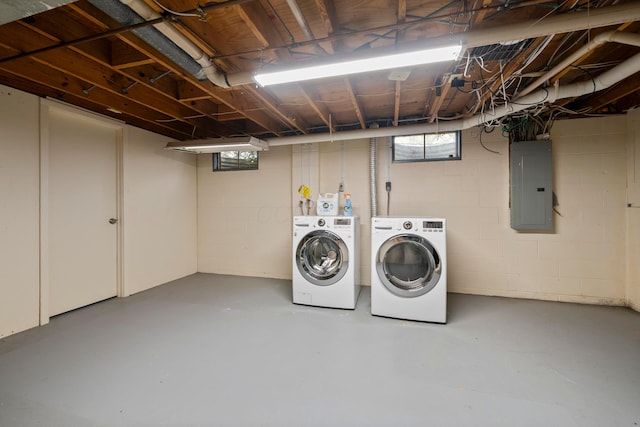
point(217, 145)
point(353, 66)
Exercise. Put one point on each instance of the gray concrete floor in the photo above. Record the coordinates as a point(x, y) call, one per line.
point(211, 350)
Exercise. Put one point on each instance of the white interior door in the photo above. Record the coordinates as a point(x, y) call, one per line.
point(82, 198)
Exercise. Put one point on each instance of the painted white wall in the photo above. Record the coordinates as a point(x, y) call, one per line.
point(244, 217)
point(160, 231)
point(633, 211)
point(19, 211)
point(633, 258)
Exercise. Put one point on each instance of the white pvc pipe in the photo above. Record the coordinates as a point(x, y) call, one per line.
point(564, 23)
point(597, 41)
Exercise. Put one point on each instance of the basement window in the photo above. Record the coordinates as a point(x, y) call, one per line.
point(427, 147)
point(235, 161)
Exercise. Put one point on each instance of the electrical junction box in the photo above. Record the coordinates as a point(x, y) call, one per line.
point(531, 180)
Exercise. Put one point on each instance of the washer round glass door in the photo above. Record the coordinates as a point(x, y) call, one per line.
point(408, 265)
point(322, 257)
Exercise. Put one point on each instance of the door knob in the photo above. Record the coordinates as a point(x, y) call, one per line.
point(113, 220)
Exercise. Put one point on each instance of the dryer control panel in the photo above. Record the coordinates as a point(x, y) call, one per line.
point(436, 226)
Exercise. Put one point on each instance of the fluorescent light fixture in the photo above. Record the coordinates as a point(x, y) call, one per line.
point(360, 65)
point(217, 145)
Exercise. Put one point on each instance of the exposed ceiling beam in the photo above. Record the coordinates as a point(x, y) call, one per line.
point(396, 104)
point(323, 112)
point(289, 119)
point(354, 101)
point(440, 97)
point(221, 96)
point(96, 73)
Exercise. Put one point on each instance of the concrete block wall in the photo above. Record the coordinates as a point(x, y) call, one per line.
point(583, 260)
point(245, 218)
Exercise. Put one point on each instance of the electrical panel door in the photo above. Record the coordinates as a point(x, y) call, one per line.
point(531, 180)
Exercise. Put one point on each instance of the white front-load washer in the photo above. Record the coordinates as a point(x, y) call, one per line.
point(409, 268)
point(326, 269)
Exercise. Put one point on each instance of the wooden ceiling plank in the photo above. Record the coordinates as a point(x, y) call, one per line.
point(323, 112)
point(124, 56)
point(222, 96)
point(103, 75)
point(220, 112)
point(329, 17)
point(189, 92)
point(400, 35)
point(481, 7)
point(327, 12)
point(354, 101)
point(396, 104)
point(401, 19)
point(273, 105)
point(64, 85)
point(262, 27)
point(439, 99)
point(258, 22)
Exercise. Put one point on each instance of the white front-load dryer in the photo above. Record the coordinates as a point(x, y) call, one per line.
point(409, 268)
point(326, 269)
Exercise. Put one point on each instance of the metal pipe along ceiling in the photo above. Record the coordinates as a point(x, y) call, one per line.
point(597, 41)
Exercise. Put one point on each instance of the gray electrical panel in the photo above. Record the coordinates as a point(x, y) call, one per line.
point(531, 180)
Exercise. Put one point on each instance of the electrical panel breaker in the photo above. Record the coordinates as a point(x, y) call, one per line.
point(531, 180)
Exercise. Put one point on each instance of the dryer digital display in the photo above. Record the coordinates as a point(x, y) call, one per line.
point(432, 224)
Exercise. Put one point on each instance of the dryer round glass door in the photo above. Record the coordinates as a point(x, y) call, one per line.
point(322, 258)
point(408, 265)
